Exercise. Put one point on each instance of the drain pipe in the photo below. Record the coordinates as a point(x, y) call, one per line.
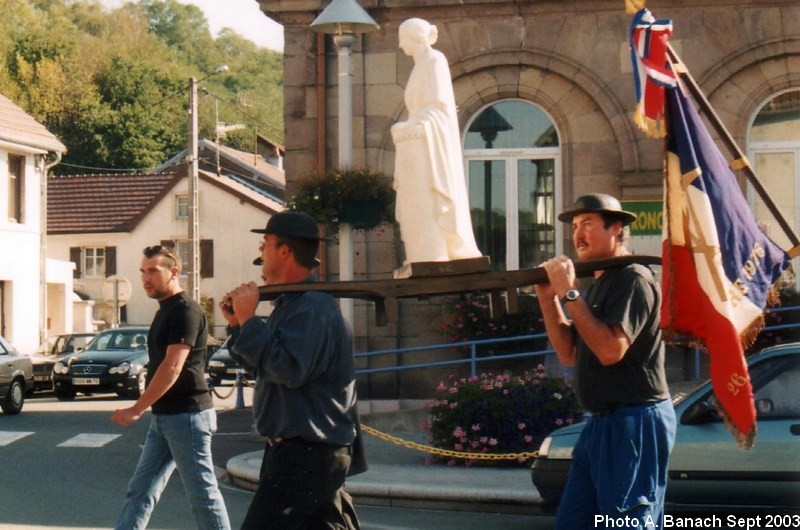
point(43, 245)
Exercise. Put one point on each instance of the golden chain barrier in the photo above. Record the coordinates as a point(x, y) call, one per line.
point(245, 382)
point(445, 452)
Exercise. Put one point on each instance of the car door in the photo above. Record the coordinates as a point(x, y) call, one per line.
point(708, 467)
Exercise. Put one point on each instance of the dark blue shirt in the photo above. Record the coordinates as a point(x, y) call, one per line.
point(305, 375)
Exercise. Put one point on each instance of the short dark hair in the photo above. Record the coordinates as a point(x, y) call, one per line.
point(304, 250)
point(164, 252)
point(610, 218)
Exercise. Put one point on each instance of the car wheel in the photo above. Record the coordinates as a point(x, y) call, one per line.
point(14, 399)
point(65, 395)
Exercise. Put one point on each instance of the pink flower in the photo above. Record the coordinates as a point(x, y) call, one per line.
point(476, 427)
point(492, 441)
point(521, 426)
point(458, 432)
point(528, 438)
point(559, 422)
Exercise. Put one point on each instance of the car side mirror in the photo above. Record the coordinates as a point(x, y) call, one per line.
point(698, 413)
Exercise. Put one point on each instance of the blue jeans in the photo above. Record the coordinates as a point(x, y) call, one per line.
point(618, 476)
point(182, 441)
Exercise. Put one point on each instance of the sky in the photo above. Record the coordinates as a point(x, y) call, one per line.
point(243, 16)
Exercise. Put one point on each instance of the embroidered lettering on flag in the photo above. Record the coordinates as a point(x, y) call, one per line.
point(719, 267)
point(648, 40)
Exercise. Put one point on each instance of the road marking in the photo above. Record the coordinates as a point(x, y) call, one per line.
point(9, 437)
point(89, 440)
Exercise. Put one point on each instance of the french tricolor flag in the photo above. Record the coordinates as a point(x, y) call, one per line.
point(719, 267)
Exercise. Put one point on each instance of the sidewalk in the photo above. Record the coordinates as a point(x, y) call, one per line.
point(397, 476)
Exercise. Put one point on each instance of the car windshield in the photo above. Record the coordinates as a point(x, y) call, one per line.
point(120, 339)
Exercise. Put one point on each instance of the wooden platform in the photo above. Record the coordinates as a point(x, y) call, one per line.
point(385, 293)
point(425, 269)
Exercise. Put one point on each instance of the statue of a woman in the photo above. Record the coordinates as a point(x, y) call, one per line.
point(432, 205)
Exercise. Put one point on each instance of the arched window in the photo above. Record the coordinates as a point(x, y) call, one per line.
point(513, 168)
point(775, 153)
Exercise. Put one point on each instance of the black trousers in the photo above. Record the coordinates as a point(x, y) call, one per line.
point(301, 488)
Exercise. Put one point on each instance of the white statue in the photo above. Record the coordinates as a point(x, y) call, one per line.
point(432, 205)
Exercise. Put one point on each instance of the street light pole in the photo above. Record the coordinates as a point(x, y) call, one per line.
point(344, 19)
point(194, 184)
point(194, 213)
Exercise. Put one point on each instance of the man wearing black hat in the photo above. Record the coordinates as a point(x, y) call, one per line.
point(304, 401)
point(612, 337)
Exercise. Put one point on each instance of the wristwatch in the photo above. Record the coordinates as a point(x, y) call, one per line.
point(571, 296)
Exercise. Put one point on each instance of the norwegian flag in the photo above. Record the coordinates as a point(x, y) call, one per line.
point(651, 73)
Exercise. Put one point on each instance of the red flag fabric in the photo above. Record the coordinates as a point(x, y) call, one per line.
point(719, 267)
point(648, 39)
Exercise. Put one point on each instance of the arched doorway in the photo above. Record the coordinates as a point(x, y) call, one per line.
point(774, 145)
point(512, 157)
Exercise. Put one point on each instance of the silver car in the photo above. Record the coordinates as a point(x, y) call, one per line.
point(708, 469)
point(16, 378)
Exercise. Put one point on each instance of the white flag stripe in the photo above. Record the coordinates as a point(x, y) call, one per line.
point(9, 437)
point(89, 440)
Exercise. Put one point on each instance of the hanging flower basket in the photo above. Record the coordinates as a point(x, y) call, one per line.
point(358, 196)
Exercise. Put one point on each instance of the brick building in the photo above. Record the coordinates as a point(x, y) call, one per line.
point(559, 74)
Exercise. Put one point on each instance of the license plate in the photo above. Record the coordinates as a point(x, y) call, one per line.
point(41, 378)
point(231, 371)
point(85, 381)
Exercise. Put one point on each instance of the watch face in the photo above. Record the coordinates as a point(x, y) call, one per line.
point(572, 295)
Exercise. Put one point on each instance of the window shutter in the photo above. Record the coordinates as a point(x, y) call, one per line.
point(111, 261)
point(75, 257)
point(207, 258)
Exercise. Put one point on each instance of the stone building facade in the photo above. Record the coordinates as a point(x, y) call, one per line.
point(560, 73)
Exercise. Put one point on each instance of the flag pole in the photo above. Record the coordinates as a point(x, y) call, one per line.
point(741, 161)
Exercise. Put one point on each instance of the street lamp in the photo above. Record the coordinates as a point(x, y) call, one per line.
point(194, 204)
point(344, 19)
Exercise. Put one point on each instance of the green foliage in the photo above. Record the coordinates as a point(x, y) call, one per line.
point(499, 414)
point(112, 85)
point(325, 196)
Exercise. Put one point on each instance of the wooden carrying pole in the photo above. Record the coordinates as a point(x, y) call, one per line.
point(740, 162)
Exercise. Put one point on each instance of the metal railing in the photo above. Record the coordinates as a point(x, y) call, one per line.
point(473, 360)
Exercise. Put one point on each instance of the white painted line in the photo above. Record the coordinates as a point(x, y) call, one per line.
point(89, 440)
point(9, 437)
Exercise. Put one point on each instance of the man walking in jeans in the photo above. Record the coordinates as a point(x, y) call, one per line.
point(183, 410)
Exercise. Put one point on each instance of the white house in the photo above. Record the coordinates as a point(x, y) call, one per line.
point(103, 222)
point(35, 293)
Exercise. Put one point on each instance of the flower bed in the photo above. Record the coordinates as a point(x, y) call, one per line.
point(499, 414)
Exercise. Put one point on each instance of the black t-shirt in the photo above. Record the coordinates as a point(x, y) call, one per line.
point(180, 320)
point(628, 297)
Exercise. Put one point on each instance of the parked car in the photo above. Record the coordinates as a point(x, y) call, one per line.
point(56, 347)
point(221, 366)
point(114, 361)
point(708, 469)
point(16, 378)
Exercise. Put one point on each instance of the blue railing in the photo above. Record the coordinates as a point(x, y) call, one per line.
point(472, 360)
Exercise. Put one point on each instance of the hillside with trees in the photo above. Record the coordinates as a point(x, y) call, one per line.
point(112, 84)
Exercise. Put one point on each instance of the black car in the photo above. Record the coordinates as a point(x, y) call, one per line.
point(221, 366)
point(16, 378)
point(115, 361)
point(56, 347)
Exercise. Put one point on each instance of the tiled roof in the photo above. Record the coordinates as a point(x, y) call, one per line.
point(18, 127)
point(103, 203)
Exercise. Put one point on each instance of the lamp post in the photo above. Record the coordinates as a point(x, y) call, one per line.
point(194, 182)
point(344, 19)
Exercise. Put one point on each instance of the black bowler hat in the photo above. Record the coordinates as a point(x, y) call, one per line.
point(597, 203)
point(291, 224)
